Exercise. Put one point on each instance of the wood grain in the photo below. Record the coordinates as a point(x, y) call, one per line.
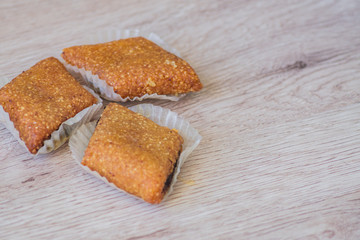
point(279, 115)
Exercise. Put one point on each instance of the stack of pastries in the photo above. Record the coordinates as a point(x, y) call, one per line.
point(128, 149)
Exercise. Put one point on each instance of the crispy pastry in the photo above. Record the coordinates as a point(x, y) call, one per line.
point(40, 99)
point(135, 67)
point(133, 152)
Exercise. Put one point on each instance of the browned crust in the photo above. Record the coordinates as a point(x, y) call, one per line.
point(133, 152)
point(40, 99)
point(135, 67)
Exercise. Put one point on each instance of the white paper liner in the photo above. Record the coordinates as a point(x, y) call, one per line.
point(59, 136)
point(100, 86)
point(80, 139)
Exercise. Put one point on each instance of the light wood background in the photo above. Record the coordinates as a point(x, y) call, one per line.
point(279, 115)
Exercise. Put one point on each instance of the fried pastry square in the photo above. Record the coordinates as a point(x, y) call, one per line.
point(133, 152)
point(40, 99)
point(135, 67)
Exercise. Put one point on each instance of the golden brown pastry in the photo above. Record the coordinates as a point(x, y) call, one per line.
point(133, 152)
point(135, 67)
point(40, 99)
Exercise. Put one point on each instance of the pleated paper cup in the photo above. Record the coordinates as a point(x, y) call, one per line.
point(162, 116)
point(99, 85)
point(60, 136)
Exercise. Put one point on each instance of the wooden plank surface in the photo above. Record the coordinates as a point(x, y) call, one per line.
point(279, 115)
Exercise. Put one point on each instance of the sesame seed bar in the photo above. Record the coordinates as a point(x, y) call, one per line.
point(133, 152)
point(135, 67)
point(40, 99)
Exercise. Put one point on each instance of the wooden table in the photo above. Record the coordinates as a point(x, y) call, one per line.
point(279, 115)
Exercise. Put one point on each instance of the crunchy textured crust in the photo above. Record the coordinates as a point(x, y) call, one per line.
point(135, 67)
point(133, 152)
point(40, 99)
